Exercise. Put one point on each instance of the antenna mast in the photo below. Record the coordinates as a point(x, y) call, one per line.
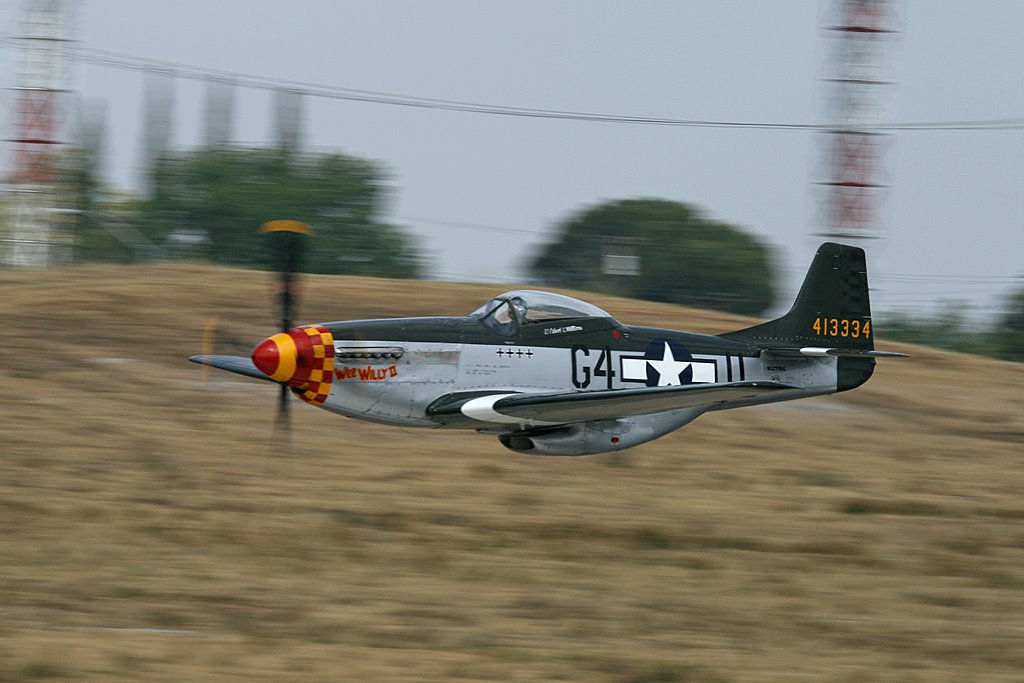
point(35, 234)
point(854, 182)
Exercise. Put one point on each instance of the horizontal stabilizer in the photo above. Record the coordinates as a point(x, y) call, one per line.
point(237, 364)
point(823, 352)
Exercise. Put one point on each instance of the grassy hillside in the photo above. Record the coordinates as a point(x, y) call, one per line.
point(151, 529)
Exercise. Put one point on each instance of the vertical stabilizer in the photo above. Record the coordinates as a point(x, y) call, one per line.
point(831, 317)
point(832, 309)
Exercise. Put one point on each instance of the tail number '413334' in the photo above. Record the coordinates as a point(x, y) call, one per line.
point(841, 327)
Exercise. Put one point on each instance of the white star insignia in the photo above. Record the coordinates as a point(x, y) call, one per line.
point(668, 368)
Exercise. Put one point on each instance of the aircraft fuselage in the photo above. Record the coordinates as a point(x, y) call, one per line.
point(438, 356)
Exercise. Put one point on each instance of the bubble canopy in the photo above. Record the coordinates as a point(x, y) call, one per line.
point(532, 306)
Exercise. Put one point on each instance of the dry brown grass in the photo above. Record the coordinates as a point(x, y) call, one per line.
point(149, 530)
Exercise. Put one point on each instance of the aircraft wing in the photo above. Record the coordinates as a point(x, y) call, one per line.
point(237, 364)
point(583, 406)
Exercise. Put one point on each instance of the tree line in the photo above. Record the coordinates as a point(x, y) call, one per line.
point(208, 203)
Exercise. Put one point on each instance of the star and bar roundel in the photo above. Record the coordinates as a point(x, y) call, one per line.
point(667, 363)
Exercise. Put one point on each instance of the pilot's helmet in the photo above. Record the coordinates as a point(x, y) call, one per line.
point(519, 304)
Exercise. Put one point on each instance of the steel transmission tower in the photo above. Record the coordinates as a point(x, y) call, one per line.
point(219, 117)
point(852, 176)
point(35, 234)
point(288, 121)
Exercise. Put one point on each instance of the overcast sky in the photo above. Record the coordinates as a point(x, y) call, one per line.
point(484, 192)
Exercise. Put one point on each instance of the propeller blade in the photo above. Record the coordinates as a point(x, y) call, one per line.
point(283, 417)
point(286, 241)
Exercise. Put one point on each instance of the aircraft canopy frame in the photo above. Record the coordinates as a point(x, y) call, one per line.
point(527, 306)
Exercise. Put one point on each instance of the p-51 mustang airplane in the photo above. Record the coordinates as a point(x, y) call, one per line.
point(552, 375)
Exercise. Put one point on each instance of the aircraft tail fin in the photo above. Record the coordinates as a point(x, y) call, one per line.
point(832, 308)
point(831, 316)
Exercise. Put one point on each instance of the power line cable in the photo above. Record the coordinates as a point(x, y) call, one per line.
point(419, 220)
point(117, 60)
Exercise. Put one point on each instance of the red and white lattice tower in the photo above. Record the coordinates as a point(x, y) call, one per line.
point(852, 176)
point(34, 235)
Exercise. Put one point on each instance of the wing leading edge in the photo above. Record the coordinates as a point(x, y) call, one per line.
point(584, 406)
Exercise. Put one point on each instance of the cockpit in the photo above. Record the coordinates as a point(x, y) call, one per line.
point(526, 306)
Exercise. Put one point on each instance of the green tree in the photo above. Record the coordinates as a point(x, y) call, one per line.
point(949, 327)
point(224, 195)
point(681, 255)
point(1008, 333)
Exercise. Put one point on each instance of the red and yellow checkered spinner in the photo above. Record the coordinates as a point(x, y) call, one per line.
point(302, 358)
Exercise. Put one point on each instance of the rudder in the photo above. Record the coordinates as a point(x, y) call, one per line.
point(832, 309)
